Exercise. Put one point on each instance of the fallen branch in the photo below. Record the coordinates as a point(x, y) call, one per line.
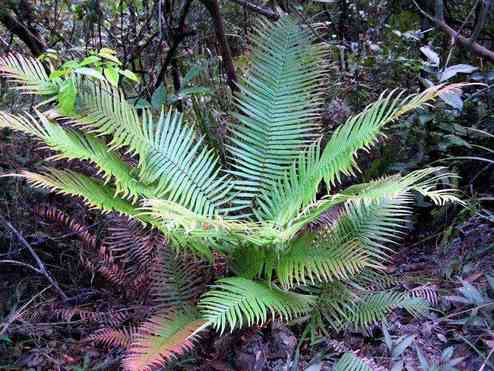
point(41, 267)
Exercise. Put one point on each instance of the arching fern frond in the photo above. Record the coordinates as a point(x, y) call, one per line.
point(94, 193)
point(373, 308)
point(299, 184)
point(27, 72)
point(235, 301)
point(161, 339)
point(344, 307)
point(309, 261)
point(185, 170)
point(171, 156)
point(73, 145)
point(279, 101)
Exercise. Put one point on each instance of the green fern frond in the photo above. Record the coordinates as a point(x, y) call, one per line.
point(94, 193)
point(308, 261)
point(235, 301)
point(161, 339)
point(373, 308)
point(423, 181)
point(344, 307)
point(351, 362)
point(170, 156)
point(178, 220)
point(300, 183)
point(279, 102)
point(73, 145)
point(27, 72)
point(104, 110)
point(185, 170)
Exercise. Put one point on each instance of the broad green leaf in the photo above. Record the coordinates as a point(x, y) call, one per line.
point(67, 97)
point(91, 72)
point(129, 74)
point(111, 75)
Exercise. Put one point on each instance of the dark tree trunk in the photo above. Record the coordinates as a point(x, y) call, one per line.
point(219, 28)
point(25, 32)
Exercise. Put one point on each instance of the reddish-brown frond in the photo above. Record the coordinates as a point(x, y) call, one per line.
point(160, 339)
point(133, 244)
point(112, 317)
point(76, 229)
point(177, 279)
point(112, 337)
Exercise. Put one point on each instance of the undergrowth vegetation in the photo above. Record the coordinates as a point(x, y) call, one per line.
point(271, 217)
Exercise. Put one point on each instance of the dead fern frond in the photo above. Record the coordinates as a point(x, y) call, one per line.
point(112, 337)
point(160, 339)
point(427, 292)
point(111, 317)
point(178, 280)
point(132, 243)
point(75, 228)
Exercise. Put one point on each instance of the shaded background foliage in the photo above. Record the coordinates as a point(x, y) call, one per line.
point(190, 54)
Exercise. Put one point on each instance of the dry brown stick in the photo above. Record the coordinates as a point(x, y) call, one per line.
point(41, 267)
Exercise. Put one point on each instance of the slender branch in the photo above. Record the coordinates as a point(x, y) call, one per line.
point(468, 44)
point(22, 264)
point(485, 11)
point(177, 39)
point(41, 267)
point(268, 13)
point(439, 10)
point(12, 317)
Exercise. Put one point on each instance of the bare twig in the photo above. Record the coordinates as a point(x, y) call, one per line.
point(41, 267)
point(463, 41)
point(268, 13)
point(12, 317)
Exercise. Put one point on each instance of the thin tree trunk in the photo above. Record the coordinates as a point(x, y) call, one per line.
point(28, 35)
point(219, 28)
